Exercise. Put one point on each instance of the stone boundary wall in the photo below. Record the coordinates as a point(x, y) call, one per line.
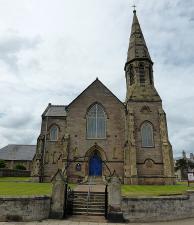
point(24, 208)
point(139, 209)
point(164, 208)
point(14, 173)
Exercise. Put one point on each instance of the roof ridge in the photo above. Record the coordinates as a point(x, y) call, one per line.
point(20, 145)
point(59, 105)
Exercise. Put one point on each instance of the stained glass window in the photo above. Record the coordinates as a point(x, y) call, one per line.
point(96, 122)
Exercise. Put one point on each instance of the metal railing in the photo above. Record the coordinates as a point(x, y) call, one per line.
point(106, 202)
point(89, 191)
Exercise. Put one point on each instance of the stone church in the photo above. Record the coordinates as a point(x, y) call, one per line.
point(97, 134)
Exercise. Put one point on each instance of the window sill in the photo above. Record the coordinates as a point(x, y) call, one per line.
point(147, 146)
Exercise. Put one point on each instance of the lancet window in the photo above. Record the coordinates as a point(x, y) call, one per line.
point(96, 122)
point(147, 136)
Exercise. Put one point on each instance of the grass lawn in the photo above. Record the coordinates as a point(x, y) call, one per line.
point(17, 186)
point(155, 190)
point(24, 188)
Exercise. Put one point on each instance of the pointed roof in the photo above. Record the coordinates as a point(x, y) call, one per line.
point(137, 45)
point(55, 111)
point(98, 83)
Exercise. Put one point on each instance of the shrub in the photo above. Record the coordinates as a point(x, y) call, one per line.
point(2, 164)
point(20, 167)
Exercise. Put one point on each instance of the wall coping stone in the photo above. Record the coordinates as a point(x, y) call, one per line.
point(190, 192)
point(169, 197)
point(23, 197)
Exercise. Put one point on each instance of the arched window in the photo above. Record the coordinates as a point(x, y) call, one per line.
point(96, 122)
point(54, 133)
point(147, 137)
point(131, 75)
point(141, 74)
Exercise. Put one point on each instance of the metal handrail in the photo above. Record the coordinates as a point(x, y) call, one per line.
point(106, 201)
point(88, 196)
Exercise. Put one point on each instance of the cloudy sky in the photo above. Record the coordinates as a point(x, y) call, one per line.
point(50, 50)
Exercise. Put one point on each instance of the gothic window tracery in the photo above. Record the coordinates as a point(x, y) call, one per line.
point(147, 137)
point(96, 122)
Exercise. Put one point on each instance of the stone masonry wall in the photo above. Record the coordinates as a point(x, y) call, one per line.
point(24, 208)
point(112, 147)
point(150, 160)
point(150, 209)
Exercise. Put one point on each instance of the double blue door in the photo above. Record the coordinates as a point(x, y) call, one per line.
point(95, 165)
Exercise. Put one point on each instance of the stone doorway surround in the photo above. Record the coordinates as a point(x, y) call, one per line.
point(95, 164)
point(94, 149)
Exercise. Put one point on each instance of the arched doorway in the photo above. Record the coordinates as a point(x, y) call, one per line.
point(95, 165)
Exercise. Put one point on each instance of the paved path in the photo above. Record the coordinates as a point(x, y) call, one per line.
point(68, 222)
point(93, 188)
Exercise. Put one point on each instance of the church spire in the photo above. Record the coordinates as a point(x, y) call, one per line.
point(139, 67)
point(137, 45)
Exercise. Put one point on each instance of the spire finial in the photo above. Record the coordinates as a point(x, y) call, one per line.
point(134, 10)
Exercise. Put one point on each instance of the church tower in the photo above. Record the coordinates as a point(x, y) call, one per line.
point(148, 152)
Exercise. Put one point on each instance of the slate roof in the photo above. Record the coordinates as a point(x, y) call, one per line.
point(96, 82)
point(61, 110)
point(55, 110)
point(18, 152)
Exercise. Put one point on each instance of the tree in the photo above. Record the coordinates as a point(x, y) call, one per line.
point(20, 167)
point(184, 165)
point(2, 164)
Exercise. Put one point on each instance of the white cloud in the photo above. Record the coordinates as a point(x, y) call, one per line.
point(51, 50)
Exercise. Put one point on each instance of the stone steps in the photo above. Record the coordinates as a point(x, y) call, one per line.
point(88, 218)
point(92, 205)
point(93, 180)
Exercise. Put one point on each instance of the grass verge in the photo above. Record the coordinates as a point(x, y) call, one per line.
point(18, 186)
point(24, 188)
point(154, 190)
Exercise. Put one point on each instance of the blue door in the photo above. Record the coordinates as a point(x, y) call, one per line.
point(95, 165)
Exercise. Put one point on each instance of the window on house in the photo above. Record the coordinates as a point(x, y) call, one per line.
point(147, 135)
point(141, 74)
point(54, 133)
point(96, 122)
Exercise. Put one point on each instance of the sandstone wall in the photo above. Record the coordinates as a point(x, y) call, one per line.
point(150, 209)
point(24, 208)
point(112, 147)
